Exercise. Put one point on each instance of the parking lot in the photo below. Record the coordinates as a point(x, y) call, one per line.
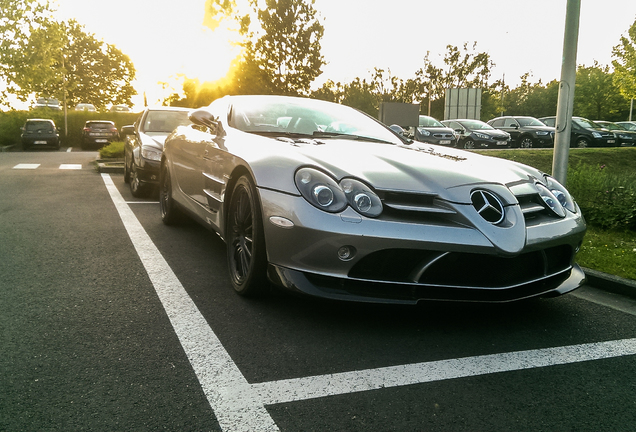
point(113, 321)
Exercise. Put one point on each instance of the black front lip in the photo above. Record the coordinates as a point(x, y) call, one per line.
point(391, 293)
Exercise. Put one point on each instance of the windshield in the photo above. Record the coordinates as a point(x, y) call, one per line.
point(287, 116)
point(475, 125)
point(426, 121)
point(528, 121)
point(165, 121)
point(33, 126)
point(585, 123)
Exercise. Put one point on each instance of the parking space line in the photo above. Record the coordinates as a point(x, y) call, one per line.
point(291, 390)
point(71, 166)
point(239, 405)
point(26, 166)
point(227, 390)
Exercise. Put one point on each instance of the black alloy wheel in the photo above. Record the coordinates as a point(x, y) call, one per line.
point(171, 214)
point(245, 240)
point(137, 188)
point(126, 169)
point(526, 142)
point(582, 143)
point(469, 144)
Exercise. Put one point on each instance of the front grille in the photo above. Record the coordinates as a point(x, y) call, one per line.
point(459, 269)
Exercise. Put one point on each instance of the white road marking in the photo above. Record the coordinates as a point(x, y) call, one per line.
point(26, 166)
point(71, 166)
point(68, 150)
point(239, 405)
point(142, 202)
point(231, 397)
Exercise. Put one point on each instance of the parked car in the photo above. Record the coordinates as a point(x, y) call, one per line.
point(322, 199)
point(85, 107)
point(39, 133)
point(525, 132)
point(475, 134)
point(629, 125)
point(625, 136)
point(143, 145)
point(119, 108)
point(586, 133)
point(432, 131)
point(50, 103)
point(98, 133)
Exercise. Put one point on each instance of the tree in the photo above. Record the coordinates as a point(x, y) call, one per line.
point(44, 57)
point(282, 49)
point(625, 63)
point(596, 97)
point(531, 99)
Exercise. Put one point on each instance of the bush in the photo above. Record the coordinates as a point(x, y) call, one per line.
point(113, 150)
point(607, 200)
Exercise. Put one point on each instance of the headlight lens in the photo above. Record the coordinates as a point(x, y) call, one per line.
point(320, 190)
point(361, 198)
point(551, 201)
point(425, 132)
point(541, 133)
point(482, 136)
point(561, 193)
point(324, 193)
point(150, 153)
point(596, 135)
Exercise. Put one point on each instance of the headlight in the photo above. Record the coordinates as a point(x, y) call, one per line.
point(482, 136)
point(540, 133)
point(361, 198)
point(150, 153)
point(561, 193)
point(324, 193)
point(425, 132)
point(596, 135)
point(320, 190)
point(551, 201)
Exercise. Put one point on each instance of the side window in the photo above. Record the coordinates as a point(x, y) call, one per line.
point(498, 123)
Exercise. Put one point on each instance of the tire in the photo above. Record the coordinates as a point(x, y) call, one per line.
point(126, 170)
point(582, 143)
point(137, 188)
point(245, 241)
point(469, 144)
point(171, 214)
point(526, 142)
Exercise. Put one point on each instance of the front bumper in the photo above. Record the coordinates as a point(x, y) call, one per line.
point(148, 171)
point(404, 262)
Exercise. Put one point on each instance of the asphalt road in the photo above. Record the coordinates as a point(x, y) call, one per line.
point(112, 321)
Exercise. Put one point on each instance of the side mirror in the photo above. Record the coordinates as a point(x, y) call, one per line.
point(203, 117)
point(128, 130)
point(397, 129)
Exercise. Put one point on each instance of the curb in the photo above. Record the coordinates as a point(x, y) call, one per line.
point(611, 283)
point(110, 166)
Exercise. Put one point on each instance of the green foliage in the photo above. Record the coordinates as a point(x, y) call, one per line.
point(282, 49)
point(114, 150)
point(596, 96)
point(609, 251)
point(536, 100)
point(607, 200)
point(12, 121)
point(48, 58)
point(625, 63)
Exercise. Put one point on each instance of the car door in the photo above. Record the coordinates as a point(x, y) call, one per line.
point(512, 127)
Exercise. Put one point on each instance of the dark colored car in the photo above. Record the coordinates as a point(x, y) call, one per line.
point(432, 131)
point(119, 108)
point(143, 146)
point(625, 136)
point(85, 107)
point(585, 133)
point(525, 132)
point(322, 199)
point(98, 133)
point(629, 125)
point(39, 133)
point(50, 103)
point(475, 134)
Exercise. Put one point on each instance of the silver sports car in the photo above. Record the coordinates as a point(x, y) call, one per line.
point(322, 199)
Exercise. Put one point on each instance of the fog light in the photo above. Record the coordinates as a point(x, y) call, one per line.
point(346, 253)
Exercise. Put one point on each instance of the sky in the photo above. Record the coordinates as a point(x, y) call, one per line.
point(165, 38)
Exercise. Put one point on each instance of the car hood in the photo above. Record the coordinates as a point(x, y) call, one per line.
point(153, 139)
point(416, 168)
point(540, 128)
point(491, 132)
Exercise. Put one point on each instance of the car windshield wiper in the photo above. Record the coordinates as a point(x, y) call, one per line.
point(321, 134)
